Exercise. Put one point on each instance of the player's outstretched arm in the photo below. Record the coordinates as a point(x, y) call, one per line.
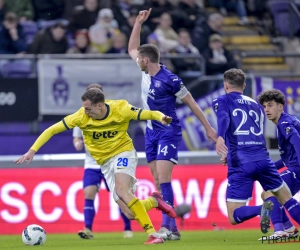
point(41, 140)
point(134, 40)
point(191, 103)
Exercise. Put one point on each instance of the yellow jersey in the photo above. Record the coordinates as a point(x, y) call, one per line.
point(106, 137)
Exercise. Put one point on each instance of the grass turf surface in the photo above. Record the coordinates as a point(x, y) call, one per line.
point(215, 240)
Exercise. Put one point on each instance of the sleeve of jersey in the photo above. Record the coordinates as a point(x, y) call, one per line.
point(77, 132)
point(223, 120)
point(279, 164)
point(150, 115)
point(47, 134)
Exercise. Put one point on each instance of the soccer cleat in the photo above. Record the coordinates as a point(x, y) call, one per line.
point(154, 239)
point(175, 236)
point(293, 233)
point(128, 234)
point(164, 233)
point(86, 234)
point(163, 206)
point(276, 236)
point(265, 215)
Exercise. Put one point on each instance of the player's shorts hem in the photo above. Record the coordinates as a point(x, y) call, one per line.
point(276, 189)
point(238, 200)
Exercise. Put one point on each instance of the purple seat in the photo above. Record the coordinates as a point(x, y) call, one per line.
point(45, 24)
point(30, 29)
point(16, 69)
point(280, 10)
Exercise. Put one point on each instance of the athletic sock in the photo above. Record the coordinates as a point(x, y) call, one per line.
point(244, 213)
point(141, 216)
point(292, 206)
point(168, 196)
point(276, 215)
point(127, 223)
point(89, 213)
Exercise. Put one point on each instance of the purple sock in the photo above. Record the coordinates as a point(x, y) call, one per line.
point(168, 196)
point(276, 215)
point(286, 220)
point(89, 213)
point(292, 206)
point(245, 213)
point(127, 223)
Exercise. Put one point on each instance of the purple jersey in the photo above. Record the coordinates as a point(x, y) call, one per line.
point(240, 123)
point(159, 92)
point(288, 130)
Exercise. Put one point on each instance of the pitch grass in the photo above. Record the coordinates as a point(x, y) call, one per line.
point(208, 240)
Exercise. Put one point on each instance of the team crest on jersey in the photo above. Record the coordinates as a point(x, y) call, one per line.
point(135, 109)
point(157, 84)
point(287, 130)
point(216, 107)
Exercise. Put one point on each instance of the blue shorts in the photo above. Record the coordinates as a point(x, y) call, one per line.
point(242, 177)
point(162, 145)
point(292, 179)
point(93, 177)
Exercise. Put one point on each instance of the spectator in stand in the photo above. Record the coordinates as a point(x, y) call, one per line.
point(51, 40)
point(119, 45)
point(204, 29)
point(72, 6)
point(185, 47)
point(167, 37)
point(2, 11)
point(84, 18)
point(103, 32)
point(126, 27)
point(82, 44)
point(158, 8)
point(48, 9)
point(186, 14)
point(218, 58)
point(237, 5)
point(23, 8)
point(12, 38)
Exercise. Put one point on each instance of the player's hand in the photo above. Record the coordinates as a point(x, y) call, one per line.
point(211, 134)
point(224, 160)
point(26, 157)
point(221, 148)
point(166, 120)
point(143, 16)
point(78, 145)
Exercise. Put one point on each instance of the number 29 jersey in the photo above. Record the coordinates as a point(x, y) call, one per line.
point(240, 123)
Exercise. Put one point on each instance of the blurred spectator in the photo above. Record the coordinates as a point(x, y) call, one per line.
point(121, 10)
point(12, 38)
point(103, 32)
point(84, 18)
point(185, 47)
point(218, 59)
point(82, 44)
point(203, 30)
point(126, 28)
point(72, 6)
point(119, 44)
point(23, 8)
point(2, 11)
point(167, 37)
point(52, 40)
point(158, 8)
point(233, 5)
point(48, 9)
point(186, 14)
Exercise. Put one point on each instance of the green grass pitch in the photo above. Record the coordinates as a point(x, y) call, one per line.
point(191, 240)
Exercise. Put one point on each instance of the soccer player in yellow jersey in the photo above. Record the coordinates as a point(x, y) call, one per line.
point(104, 125)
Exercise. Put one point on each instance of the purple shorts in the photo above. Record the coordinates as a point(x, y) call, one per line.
point(162, 145)
point(242, 177)
point(292, 178)
point(93, 177)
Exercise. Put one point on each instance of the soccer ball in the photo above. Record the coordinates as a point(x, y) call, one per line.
point(34, 235)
